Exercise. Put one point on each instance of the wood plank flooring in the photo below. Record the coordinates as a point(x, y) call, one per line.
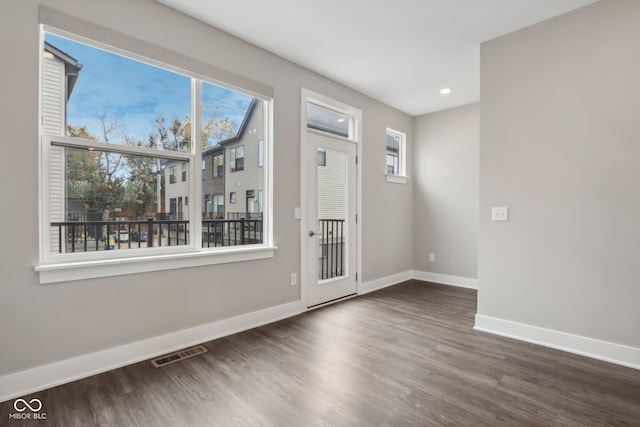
point(403, 356)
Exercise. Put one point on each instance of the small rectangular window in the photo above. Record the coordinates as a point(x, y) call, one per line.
point(172, 175)
point(218, 206)
point(395, 153)
point(321, 157)
point(218, 165)
point(208, 209)
point(236, 158)
point(329, 121)
point(232, 197)
point(184, 172)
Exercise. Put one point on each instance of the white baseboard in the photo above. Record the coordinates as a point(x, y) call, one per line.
point(383, 282)
point(43, 377)
point(602, 350)
point(446, 279)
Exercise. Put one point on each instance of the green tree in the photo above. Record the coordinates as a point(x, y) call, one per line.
point(93, 177)
point(103, 181)
point(176, 134)
point(81, 166)
point(142, 186)
point(216, 128)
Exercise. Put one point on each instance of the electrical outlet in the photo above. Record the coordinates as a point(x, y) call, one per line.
point(294, 279)
point(432, 257)
point(500, 213)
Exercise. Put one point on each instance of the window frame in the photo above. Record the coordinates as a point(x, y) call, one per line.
point(401, 176)
point(54, 267)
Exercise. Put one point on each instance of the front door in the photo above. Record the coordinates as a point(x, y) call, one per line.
point(331, 218)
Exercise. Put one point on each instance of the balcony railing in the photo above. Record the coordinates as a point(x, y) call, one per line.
point(331, 241)
point(91, 236)
point(231, 232)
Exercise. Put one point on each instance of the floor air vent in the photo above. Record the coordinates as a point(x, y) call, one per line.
point(178, 355)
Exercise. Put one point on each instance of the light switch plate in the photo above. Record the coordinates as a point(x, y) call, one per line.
point(500, 213)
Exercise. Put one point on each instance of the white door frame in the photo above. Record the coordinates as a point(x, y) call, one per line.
point(307, 161)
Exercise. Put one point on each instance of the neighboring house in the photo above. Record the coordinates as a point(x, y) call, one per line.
point(232, 175)
point(59, 75)
point(244, 174)
point(213, 182)
point(177, 190)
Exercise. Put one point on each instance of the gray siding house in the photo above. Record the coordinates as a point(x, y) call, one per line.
point(232, 175)
point(244, 173)
point(213, 163)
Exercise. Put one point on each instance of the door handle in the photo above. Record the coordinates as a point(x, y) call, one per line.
point(312, 233)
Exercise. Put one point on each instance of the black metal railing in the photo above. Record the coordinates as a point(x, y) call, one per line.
point(231, 232)
point(245, 215)
point(90, 236)
point(331, 239)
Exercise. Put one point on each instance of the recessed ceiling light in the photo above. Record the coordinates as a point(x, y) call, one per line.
point(342, 120)
point(446, 90)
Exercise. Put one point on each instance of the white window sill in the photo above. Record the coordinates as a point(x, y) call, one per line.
point(397, 179)
point(64, 272)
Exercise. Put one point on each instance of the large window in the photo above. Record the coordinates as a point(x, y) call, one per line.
point(119, 143)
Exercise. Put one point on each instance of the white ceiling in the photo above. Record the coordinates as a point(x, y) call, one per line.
point(400, 52)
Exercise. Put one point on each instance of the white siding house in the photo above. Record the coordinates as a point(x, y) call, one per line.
point(177, 190)
point(59, 73)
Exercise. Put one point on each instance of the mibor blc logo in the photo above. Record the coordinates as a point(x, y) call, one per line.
point(28, 410)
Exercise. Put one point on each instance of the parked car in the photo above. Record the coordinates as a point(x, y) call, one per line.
point(142, 238)
point(119, 236)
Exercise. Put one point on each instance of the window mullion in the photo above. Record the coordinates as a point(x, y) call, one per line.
point(196, 149)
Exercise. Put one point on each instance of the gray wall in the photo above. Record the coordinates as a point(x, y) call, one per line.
point(446, 191)
point(560, 132)
point(40, 324)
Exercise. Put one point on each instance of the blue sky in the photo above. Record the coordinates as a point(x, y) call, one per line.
point(133, 94)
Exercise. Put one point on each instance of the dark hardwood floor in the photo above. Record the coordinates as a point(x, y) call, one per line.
point(403, 356)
